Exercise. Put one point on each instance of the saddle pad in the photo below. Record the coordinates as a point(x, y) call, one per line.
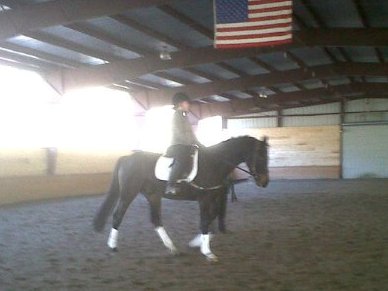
point(163, 169)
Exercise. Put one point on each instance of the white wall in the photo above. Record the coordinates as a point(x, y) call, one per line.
point(254, 122)
point(312, 120)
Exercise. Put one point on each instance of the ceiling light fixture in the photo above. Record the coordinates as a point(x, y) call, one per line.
point(165, 55)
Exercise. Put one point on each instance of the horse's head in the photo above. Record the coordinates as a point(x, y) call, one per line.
point(257, 162)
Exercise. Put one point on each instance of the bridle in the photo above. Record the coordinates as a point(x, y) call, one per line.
point(251, 172)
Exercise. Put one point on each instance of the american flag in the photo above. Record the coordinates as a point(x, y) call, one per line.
point(249, 23)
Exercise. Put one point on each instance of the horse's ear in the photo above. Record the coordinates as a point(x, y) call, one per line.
point(265, 139)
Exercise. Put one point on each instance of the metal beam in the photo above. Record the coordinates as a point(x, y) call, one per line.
point(305, 114)
point(148, 31)
point(186, 20)
point(116, 72)
point(59, 12)
point(253, 105)
point(335, 37)
point(34, 53)
point(244, 106)
point(266, 80)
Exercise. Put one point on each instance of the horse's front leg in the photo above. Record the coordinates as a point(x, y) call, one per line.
point(155, 205)
point(207, 216)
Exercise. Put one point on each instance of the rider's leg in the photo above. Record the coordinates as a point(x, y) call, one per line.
point(181, 154)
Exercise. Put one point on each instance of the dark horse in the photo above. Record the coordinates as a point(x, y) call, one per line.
point(134, 174)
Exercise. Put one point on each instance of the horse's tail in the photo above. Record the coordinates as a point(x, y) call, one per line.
point(110, 201)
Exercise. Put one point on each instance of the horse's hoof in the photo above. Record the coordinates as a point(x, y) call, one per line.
point(115, 250)
point(175, 252)
point(212, 258)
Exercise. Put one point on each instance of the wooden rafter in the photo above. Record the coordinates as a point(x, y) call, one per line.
point(117, 71)
point(186, 20)
point(35, 16)
point(199, 91)
point(239, 107)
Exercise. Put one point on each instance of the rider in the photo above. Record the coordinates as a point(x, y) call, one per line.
point(183, 141)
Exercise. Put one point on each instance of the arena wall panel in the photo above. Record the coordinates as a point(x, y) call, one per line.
point(300, 152)
point(22, 162)
point(33, 188)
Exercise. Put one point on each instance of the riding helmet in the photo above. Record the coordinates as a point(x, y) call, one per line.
point(179, 98)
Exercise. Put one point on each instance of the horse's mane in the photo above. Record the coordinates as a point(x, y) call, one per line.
point(232, 141)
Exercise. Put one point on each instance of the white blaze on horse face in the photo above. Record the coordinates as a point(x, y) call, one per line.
point(205, 248)
point(166, 239)
point(112, 240)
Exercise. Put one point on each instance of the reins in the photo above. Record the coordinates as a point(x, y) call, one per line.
point(225, 161)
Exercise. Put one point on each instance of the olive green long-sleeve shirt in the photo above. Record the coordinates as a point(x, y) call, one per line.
point(182, 132)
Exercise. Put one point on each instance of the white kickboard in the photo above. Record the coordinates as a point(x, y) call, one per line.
point(163, 168)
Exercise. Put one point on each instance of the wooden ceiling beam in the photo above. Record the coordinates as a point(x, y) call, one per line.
point(262, 64)
point(246, 106)
point(201, 74)
point(108, 38)
point(231, 69)
point(116, 72)
point(361, 13)
point(36, 16)
point(307, 4)
point(20, 60)
point(365, 22)
point(148, 31)
point(186, 20)
point(199, 91)
point(335, 37)
point(72, 46)
point(316, 102)
point(53, 59)
point(380, 55)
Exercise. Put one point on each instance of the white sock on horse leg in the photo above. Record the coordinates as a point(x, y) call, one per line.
point(166, 239)
point(205, 247)
point(205, 244)
point(196, 242)
point(112, 240)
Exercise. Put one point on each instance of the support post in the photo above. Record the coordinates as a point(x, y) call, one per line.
point(342, 121)
point(279, 118)
point(224, 122)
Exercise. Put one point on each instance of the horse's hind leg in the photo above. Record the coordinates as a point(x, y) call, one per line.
point(129, 189)
point(118, 216)
point(155, 206)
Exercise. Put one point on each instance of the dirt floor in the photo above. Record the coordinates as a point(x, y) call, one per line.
point(299, 235)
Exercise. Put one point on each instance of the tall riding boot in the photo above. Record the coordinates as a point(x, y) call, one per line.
point(176, 172)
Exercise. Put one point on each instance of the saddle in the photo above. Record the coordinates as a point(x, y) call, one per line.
point(164, 164)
